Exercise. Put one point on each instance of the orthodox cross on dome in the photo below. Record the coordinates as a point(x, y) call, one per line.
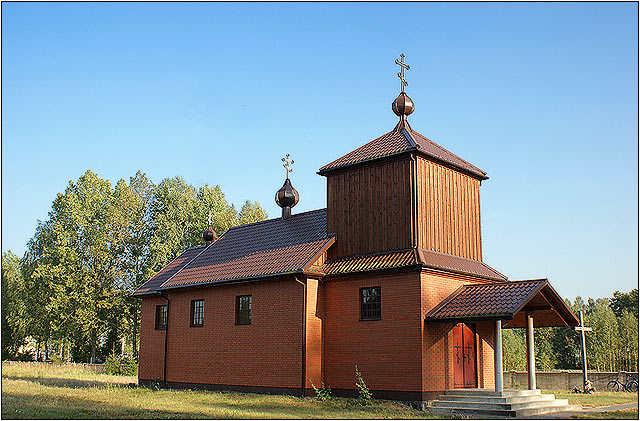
point(209, 220)
point(287, 164)
point(403, 67)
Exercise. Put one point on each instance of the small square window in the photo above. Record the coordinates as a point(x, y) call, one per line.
point(243, 309)
point(161, 317)
point(197, 312)
point(370, 303)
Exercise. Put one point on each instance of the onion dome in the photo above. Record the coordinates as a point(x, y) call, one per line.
point(209, 235)
point(402, 106)
point(287, 196)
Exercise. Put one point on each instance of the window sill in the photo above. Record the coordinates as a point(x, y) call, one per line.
point(196, 325)
point(370, 319)
point(160, 328)
point(242, 324)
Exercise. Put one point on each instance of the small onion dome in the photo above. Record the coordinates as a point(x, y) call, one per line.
point(402, 106)
point(287, 196)
point(209, 235)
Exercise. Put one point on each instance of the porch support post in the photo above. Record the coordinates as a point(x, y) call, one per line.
point(531, 358)
point(497, 354)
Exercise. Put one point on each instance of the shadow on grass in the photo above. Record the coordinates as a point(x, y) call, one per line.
point(73, 383)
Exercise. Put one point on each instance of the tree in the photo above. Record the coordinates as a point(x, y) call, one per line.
point(622, 302)
point(251, 212)
point(515, 349)
point(13, 329)
point(79, 261)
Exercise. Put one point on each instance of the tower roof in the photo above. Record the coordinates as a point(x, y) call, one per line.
point(400, 140)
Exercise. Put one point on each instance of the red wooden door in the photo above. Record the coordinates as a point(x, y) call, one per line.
point(464, 356)
point(469, 340)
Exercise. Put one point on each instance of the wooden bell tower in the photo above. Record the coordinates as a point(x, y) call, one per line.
point(403, 191)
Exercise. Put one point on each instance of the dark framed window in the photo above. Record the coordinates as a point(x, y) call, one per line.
point(243, 309)
point(161, 317)
point(370, 303)
point(197, 312)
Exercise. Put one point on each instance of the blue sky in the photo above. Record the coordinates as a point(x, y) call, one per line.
point(542, 96)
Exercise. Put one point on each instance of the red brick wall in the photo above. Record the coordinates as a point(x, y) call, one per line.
point(268, 352)
point(151, 341)
point(437, 364)
point(387, 351)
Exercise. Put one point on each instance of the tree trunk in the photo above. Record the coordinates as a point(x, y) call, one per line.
point(92, 357)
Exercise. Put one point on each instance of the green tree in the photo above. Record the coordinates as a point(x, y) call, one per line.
point(628, 332)
point(79, 262)
point(251, 212)
point(621, 302)
point(514, 349)
point(13, 329)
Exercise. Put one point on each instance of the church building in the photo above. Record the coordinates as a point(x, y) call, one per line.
point(389, 277)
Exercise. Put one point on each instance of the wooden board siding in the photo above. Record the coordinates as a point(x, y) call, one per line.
point(369, 207)
point(448, 210)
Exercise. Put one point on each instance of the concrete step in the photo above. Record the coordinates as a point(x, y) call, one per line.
point(545, 410)
point(491, 392)
point(498, 413)
point(486, 403)
point(501, 406)
point(496, 399)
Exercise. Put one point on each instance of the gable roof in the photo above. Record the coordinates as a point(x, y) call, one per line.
point(412, 257)
point(401, 140)
point(267, 248)
point(504, 301)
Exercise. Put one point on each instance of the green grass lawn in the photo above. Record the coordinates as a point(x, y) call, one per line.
point(595, 399)
point(627, 414)
point(63, 392)
point(51, 392)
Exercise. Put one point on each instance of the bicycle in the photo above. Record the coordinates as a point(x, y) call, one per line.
point(629, 385)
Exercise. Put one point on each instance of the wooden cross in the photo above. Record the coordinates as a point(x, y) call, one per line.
point(287, 164)
point(403, 67)
point(582, 329)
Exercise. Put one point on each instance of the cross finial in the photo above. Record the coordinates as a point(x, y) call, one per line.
point(287, 164)
point(209, 220)
point(403, 67)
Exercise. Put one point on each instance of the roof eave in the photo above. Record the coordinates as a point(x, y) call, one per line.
point(415, 149)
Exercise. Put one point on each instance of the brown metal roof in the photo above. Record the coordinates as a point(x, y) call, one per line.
point(503, 301)
point(400, 140)
point(393, 259)
point(273, 247)
point(168, 271)
point(457, 264)
point(412, 257)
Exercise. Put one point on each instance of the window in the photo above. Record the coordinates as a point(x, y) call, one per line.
point(197, 312)
point(243, 310)
point(161, 317)
point(370, 303)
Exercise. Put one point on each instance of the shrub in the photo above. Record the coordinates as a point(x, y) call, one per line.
point(323, 393)
point(112, 364)
point(364, 394)
point(129, 367)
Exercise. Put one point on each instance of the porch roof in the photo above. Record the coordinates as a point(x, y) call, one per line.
point(507, 301)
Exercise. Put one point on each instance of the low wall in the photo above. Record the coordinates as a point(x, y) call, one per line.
point(98, 368)
point(561, 379)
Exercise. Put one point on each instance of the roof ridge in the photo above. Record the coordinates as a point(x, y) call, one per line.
point(448, 151)
point(273, 219)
